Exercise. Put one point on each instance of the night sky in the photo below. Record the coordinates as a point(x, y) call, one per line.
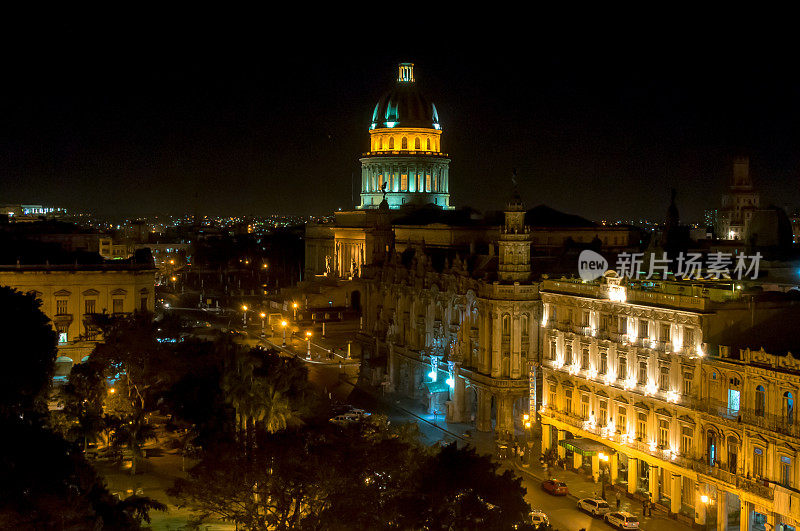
point(158, 120)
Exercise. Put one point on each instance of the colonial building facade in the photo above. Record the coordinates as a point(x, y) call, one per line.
point(634, 389)
point(70, 294)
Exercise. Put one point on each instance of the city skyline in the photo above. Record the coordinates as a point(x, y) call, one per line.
point(603, 133)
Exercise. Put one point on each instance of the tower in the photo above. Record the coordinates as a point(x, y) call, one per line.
point(514, 242)
point(405, 149)
point(739, 203)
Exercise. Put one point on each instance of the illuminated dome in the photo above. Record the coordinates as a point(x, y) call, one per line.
point(405, 105)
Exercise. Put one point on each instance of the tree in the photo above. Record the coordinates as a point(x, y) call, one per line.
point(29, 344)
point(47, 484)
point(81, 400)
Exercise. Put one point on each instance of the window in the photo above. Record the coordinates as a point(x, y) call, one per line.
point(585, 359)
point(568, 401)
point(603, 420)
point(427, 182)
point(90, 306)
point(552, 396)
point(429, 144)
point(643, 329)
point(641, 426)
point(603, 362)
point(404, 182)
point(622, 420)
point(663, 379)
point(642, 372)
point(622, 368)
point(143, 305)
point(760, 401)
point(687, 434)
point(622, 325)
point(525, 324)
point(788, 408)
point(62, 329)
point(585, 318)
point(688, 337)
point(758, 462)
point(604, 322)
point(404, 143)
point(117, 305)
point(585, 407)
point(665, 333)
point(663, 433)
point(391, 143)
point(786, 471)
point(567, 354)
point(416, 143)
point(553, 350)
point(687, 383)
point(61, 307)
point(506, 325)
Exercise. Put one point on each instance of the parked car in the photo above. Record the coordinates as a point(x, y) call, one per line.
point(594, 506)
point(622, 520)
point(555, 487)
point(359, 412)
point(539, 519)
point(345, 418)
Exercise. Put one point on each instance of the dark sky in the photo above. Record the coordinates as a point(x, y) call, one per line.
point(140, 120)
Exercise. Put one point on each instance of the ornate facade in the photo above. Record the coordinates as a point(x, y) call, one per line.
point(629, 376)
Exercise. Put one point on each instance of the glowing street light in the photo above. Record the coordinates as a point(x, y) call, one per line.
point(262, 315)
point(294, 307)
point(283, 324)
point(604, 458)
point(244, 317)
point(308, 338)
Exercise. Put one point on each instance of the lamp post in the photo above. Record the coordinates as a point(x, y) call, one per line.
point(283, 324)
point(244, 316)
point(308, 338)
point(603, 459)
point(262, 315)
point(706, 501)
point(294, 308)
point(526, 419)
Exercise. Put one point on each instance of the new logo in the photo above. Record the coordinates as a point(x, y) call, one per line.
point(591, 265)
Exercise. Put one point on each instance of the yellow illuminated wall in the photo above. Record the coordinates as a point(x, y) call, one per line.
point(405, 139)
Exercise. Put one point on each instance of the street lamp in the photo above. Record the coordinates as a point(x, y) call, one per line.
point(706, 501)
point(244, 317)
point(283, 324)
point(294, 307)
point(262, 314)
point(604, 459)
point(308, 338)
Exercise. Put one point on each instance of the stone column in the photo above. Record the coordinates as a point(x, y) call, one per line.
point(744, 516)
point(496, 348)
point(516, 346)
point(562, 452)
point(613, 468)
point(456, 411)
point(484, 337)
point(546, 442)
point(675, 494)
point(483, 422)
point(577, 460)
point(596, 468)
point(653, 484)
point(722, 510)
point(633, 475)
point(700, 510)
point(505, 416)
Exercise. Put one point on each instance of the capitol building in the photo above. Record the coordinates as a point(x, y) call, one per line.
point(678, 391)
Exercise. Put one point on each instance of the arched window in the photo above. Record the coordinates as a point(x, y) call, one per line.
point(525, 324)
point(391, 143)
point(404, 143)
point(760, 401)
point(380, 143)
point(429, 144)
point(416, 143)
point(788, 407)
point(506, 325)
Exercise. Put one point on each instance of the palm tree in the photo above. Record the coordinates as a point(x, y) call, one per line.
point(134, 434)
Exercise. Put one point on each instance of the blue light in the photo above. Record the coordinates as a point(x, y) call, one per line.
point(451, 383)
point(432, 375)
point(391, 124)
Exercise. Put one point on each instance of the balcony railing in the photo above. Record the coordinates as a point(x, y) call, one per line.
point(751, 416)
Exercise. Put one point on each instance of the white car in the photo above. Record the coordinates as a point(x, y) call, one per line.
point(622, 520)
point(594, 506)
point(539, 519)
point(347, 418)
point(358, 412)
